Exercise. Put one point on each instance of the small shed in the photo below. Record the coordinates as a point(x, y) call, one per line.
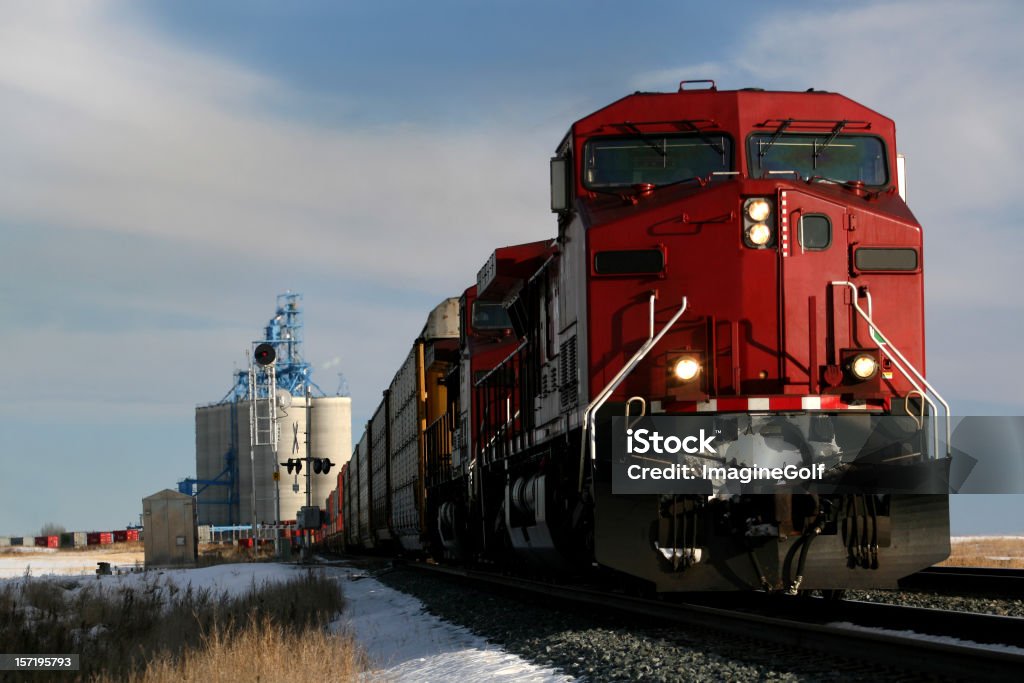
point(169, 525)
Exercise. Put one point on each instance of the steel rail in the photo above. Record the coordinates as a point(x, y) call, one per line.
point(858, 643)
point(997, 581)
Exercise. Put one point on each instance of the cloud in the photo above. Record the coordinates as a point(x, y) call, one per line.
point(139, 137)
point(947, 72)
point(158, 197)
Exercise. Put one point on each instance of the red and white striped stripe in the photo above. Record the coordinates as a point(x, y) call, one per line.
point(783, 224)
point(771, 404)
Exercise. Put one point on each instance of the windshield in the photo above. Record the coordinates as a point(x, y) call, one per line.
point(658, 159)
point(840, 158)
point(490, 316)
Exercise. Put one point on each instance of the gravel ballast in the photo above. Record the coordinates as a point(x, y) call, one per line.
point(596, 646)
point(1006, 607)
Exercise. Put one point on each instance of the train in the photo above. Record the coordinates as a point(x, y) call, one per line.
point(743, 257)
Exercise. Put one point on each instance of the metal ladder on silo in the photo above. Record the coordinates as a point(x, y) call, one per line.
point(263, 409)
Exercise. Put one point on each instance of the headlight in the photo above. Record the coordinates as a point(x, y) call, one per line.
point(758, 223)
point(685, 369)
point(864, 367)
point(758, 210)
point(759, 234)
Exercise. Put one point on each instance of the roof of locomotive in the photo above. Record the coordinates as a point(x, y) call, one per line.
point(508, 266)
point(738, 110)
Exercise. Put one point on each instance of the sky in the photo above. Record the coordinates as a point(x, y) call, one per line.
point(167, 169)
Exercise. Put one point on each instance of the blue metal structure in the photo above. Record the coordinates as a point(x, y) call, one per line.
point(284, 333)
point(294, 374)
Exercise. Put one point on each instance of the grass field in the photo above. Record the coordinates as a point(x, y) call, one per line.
point(986, 551)
point(262, 651)
point(144, 628)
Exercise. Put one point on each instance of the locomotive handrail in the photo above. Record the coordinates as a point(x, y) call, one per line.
point(883, 342)
point(501, 363)
point(589, 436)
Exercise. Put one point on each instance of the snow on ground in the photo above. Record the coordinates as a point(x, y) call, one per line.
point(230, 579)
point(407, 644)
point(403, 641)
point(39, 561)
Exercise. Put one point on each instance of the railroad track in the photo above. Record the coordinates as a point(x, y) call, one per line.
point(1005, 583)
point(850, 630)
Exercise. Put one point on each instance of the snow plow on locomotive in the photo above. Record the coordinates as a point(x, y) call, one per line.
point(745, 258)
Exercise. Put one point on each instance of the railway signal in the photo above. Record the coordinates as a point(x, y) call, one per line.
point(264, 354)
point(319, 465)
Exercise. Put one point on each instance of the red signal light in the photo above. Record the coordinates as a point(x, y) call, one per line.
point(265, 354)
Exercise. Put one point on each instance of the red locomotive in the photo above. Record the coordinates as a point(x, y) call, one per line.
point(745, 256)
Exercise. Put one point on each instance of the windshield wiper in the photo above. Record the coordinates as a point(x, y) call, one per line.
point(644, 139)
point(763, 148)
point(704, 138)
point(700, 181)
point(828, 141)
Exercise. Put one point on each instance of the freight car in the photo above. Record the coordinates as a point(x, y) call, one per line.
point(742, 257)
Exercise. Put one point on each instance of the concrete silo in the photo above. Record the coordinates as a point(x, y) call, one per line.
point(330, 437)
point(225, 461)
point(216, 462)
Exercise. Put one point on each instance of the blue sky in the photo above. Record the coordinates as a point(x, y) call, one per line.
point(167, 168)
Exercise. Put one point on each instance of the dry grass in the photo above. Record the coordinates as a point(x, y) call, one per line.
point(986, 551)
point(126, 633)
point(210, 555)
point(262, 652)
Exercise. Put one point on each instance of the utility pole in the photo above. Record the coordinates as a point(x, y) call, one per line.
point(307, 544)
point(252, 442)
point(262, 424)
point(277, 496)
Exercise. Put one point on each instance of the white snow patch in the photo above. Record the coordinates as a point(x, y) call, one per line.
point(404, 642)
point(407, 644)
point(232, 579)
point(43, 561)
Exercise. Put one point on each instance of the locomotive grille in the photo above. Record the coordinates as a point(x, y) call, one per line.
point(629, 262)
point(570, 386)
